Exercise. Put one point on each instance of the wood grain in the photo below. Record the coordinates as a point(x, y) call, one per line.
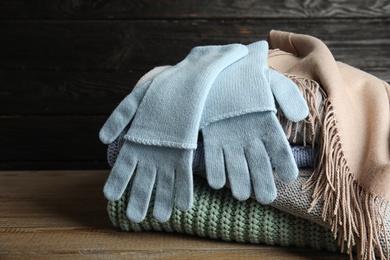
point(142, 45)
point(66, 64)
point(64, 93)
point(61, 214)
point(59, 84)
point(73, 93)
point(48, 139)
point(149, 9)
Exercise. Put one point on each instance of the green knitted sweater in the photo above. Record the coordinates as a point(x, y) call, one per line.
point(216, 214)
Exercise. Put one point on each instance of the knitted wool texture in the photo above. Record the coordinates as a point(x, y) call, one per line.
point(351, 180)
point(241, 132)
point(290, 199)
point(159, 142)
point(216, 214)
point(303, 156)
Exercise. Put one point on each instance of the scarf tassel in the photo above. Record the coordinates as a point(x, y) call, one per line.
point(356, 216)
point(310, 90)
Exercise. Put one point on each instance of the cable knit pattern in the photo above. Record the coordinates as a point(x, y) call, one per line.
point(216, 214)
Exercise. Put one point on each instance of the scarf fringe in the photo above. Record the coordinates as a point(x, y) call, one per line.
point(310, 90)
point(356, 216)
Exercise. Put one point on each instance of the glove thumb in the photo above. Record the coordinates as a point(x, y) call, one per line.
point(288, 97)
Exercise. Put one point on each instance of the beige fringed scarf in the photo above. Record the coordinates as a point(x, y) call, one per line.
point(352, 178)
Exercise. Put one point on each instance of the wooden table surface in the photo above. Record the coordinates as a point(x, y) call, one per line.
point(62, 215)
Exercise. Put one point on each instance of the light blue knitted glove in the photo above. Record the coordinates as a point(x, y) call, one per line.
point(242, 137)
point(165, 116)
point(304, 156)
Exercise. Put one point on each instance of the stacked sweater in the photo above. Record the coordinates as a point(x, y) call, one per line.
point(339, 199)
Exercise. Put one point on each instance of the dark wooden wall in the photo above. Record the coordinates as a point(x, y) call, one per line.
point(65, 64)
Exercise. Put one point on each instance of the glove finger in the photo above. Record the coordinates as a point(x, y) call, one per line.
point(289, 97)
point(163, 203)
point(140, 193)
point(215, 166)
point(261, 173)
point(120, 174)
point(279, 150)
point(184, 182)
point(238, 172)
point(122, 115)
